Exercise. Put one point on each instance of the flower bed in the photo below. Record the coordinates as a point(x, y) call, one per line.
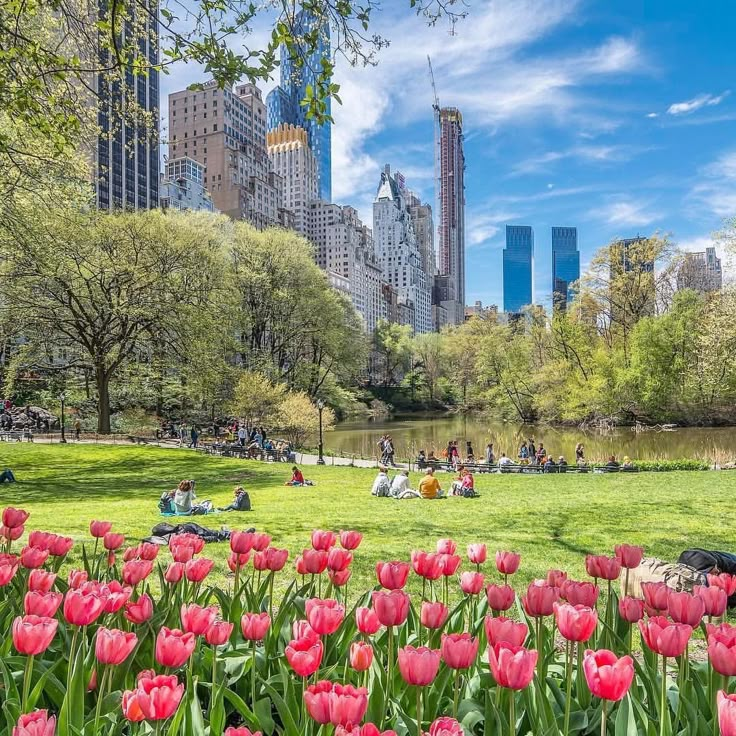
point(134, 643)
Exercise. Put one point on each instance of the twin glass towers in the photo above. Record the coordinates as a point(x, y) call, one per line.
point(518, 266)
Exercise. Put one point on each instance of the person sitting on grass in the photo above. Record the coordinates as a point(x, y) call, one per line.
point(627, 464)
point(184, 496)
point(297, 478)
point(549, 465)
point(382, 484)
point(612, 464)
point(429, 486)
point(400, 486)
point(241, 502)
point(7, 476)
point(464, 485)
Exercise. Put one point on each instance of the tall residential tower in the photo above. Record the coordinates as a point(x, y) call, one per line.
point(518, 261)
point(565, 265)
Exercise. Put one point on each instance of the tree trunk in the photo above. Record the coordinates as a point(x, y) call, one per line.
point(102, 380)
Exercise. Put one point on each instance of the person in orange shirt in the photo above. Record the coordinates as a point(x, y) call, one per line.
point(429, 486)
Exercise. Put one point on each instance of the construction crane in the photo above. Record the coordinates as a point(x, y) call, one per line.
point(438, 208)
point(436, 105)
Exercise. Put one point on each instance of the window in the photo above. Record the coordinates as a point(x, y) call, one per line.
point(214, 127)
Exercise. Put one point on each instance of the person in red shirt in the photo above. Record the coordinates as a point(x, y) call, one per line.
point(297, 479)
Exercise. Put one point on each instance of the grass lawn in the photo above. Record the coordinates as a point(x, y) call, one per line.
point(552, 520)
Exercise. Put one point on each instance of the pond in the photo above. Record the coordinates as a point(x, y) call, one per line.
point(432, 433)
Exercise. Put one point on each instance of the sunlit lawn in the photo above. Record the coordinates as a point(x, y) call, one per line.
point(552, 520)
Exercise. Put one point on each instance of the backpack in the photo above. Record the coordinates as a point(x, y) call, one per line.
point(166, 504)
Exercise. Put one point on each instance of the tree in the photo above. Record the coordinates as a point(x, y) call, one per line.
point(429, 358)
point(298, 418)
point(99, 291)
point(257, 399)
point(392, 345)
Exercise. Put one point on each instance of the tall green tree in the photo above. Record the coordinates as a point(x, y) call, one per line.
point(392, 348)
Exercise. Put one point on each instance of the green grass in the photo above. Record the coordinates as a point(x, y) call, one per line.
point(552, 520)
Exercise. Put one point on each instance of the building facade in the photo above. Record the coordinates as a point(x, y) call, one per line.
point(182, 186)
point(518, 267)
point(293, 161)
point(398, 253)
point(700, 272)
point(421, 218)
point(126, 159)
point(225, 131)
point(565, 265)
point(451, 212)
point(284, 101)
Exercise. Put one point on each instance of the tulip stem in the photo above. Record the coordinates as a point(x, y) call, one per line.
point(27, 681)
point(253, 678)
point(100, 697)
point(570, 646)
point(419, 711)
point(604, 716)
point(456, 696)
point(390, 667)
point(270, 594)
point(663, 698)
point(512, 714)
point(214, 671)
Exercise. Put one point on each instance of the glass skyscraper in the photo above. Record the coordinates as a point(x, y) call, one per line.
point(565, 264)
point(284, 102)
point(518, 260)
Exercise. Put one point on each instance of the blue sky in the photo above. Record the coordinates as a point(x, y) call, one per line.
point(617, 118)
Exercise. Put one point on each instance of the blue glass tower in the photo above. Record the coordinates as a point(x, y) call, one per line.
point(518, 259)
point(284, 102)
point(565, 264)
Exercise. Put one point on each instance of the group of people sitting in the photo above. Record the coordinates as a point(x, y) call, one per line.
point(182, 501)
point(429, 486)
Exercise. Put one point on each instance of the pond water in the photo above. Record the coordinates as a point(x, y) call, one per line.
point(432, 433)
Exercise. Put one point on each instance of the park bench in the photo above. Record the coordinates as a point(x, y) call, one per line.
point(16, 436)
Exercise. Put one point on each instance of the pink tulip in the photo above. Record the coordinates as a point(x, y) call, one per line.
point(722, 656)
point(602, 567)
point(665, 638)
point(445, 726)
point(367, 729)
point(255, 626)
point(323, 540)
point(302, 630)
point(271, 559)
point(418, 666)
point(197, 570)
point(32, 635)
point(556, 578)
point(190, 540)
point(608, 677)
point(236, 561)
point(13, 518)
point(324, 616)
point(685, 608)
point(391, 608)
point(42, 604)
point(507, 563)
point(7, 573)
point(500, 629)
point(241, 543)
point(361, 656)
point(135, 571)
point(76, 578)
point(631, 609)
point(629, 556)
point(580, 594)
point(11, 533)
point(338, 559)
point(392, 575)
point(446, 547)
point(36, 723)
point(471, 583)
point(726, 713)
point(138, 612)
point(540, 599)
point(174, 647)
point(315, 561)
point(500, 597)
point(154, 699)
point(181, 552)
point(449, 564)
point(724, 581)
point(477, 553)
point(240, 731)
point(512, 667)
point(219, 633)
point(197, 619)
point(82, 609)
point(339, 578)
point(174, 572)
point(714, 599)
point(113, 646)
point(337, 704)
point(426, 565)
point(576, 623)
point(60, 546)
point(724, 632)
point(656, 595)
point(459, 651)
point(350, 539)
point(112, 541)
point(367, 621)
point(433, 615)
point(41, 581)
point(40, 540)
point(304, 656)
point(98, 529)
point(32, 557)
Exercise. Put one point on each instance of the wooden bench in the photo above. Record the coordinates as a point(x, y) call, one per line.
point(16, 436)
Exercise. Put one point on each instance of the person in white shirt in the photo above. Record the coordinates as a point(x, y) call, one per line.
point(400, 486)
point(242, 434)
point(503, 460)
point(382, 484)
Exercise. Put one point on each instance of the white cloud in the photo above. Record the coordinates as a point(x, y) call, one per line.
point(653, 115)
point(626, 213)
point(716, 189)
point(702, 100)
point(592, 153)
point(482, 226)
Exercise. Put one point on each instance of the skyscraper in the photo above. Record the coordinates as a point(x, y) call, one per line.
point(284, 101)
point(451, 226)
point(565, 264)
point(518, 261)
point(700, 271)
point(126, 171)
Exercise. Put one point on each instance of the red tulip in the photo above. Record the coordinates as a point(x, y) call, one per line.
point(136, 571)
point(655, 595)
point(117, 596)
point(338, 559)
point(131, 553)
point(32, 557)
point(148, 551)
point(174, 572)
point(81, 608)
point(714, 599)
point(433, 615)
point(138, 612)
point(418, 666)
point(324, 616)
point(36, 723)
point(512, 667)
point(445, 726)
point(350, 539)
point(241, 542)
point(40, 540)
point(579, 594)
point(391, 608)
point(426, 565)
point(42, 604)
point(726, 713)
point(608, 677)
point(113, 646)
point(323, 540)
point(219, 633)
point(13, 518)
point(7, 572)
point(76, 578)
point(629, 556)
point(235, 561)
point(260, 541)
point(32, 635)
point(367, 729)
point(600, 566)
point(500, 597)
point(477, 553)
point(181, 552)
point(255, 626)
point(41, 581)
point(302, 630)
point(685, 608)
point(304, 656)
point(631, 609)
point(361, 656)
point(724, 632)
point(367, 621)
point(60, 546)
point(11, 533)
point(556, 578)
point(339, 577)
point(722, 655)
point(98, 529)
point(449, 564)
point(112, 541)
point(240, 731)
point(197, 570)
point(392, 575)
point(446, 547)
point(540, 599)
point(724, 581)
point(505, 629)
point(665, 638)
point(196, 619)
point(507, 563)
point(315, 561)
point(274, 559)
point(576, 623)
point(301, 568)
point(111, 559)
point(174, 647)
point(154, 699)
point(337, 704)
point(459, 651)
point(471, 583)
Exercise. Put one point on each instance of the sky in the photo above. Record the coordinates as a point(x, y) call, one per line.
point(616, 118)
